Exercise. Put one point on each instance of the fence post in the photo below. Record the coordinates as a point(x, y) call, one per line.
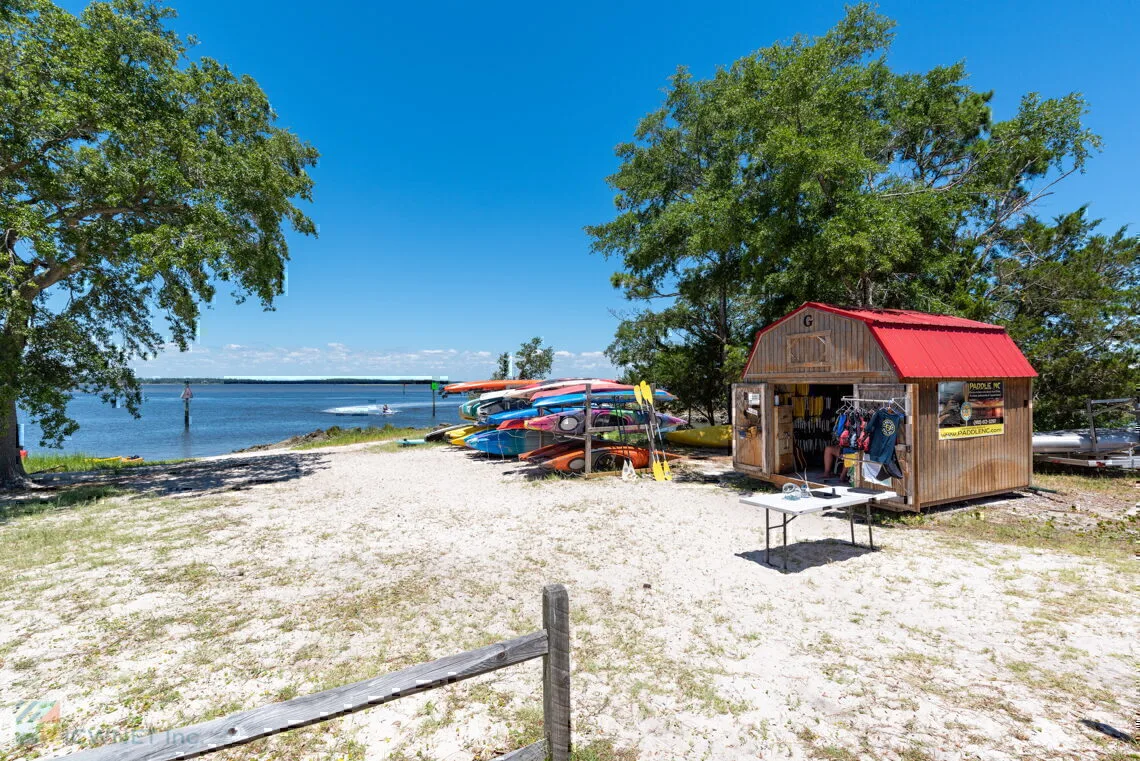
point(556, 671)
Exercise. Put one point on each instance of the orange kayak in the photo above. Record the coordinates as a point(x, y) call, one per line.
point(486, 385)
point(605, 458)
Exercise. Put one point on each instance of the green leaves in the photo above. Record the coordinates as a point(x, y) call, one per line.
point(132, 180)
point(811, 171)
point(534, 360)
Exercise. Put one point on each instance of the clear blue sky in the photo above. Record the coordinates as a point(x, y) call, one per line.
point(465, 145)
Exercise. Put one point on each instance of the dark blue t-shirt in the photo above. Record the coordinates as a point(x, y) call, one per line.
point(885, 426)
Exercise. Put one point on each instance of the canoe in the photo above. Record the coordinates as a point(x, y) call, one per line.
point(713, 436)
point(569, 400)
point(573, 423)
point(440, 434)
point(511, 425)
point(606, 458)
point(1108, 440)
point(485, 385)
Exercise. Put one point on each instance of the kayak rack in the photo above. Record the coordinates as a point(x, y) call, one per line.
point(589, 430)
point(1119, 456)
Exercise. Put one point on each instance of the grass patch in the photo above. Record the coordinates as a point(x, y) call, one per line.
point(84, 536)
point(1109, 539)
point(75, 462)
point(339, 437)
point(1067, 480)
point(602, 750)
point(80, 496)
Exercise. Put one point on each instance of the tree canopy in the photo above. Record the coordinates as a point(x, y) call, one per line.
point(534, 360)
point(133, 180)
point(810, 170)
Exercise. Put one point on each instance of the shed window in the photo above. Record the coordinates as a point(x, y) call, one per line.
point(809, 350)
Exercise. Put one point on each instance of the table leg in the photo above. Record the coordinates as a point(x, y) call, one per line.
point(870, 534)
point(851, 519)
point(767, 539)
point(785, 542)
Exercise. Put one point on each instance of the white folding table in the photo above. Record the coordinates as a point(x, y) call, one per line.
point(790, 509)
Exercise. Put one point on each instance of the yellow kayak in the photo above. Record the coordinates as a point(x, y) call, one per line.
point(715, 436)
point(459, 434)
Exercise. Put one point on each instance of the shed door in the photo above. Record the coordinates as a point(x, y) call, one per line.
point(749, 425)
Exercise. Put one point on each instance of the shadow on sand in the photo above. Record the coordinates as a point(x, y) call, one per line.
point(807, 554)
point(195, 478)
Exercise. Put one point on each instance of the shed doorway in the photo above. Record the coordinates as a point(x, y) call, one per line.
point(808, 442)
point(806, 416)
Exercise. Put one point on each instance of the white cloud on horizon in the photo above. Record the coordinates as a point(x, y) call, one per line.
point(340, 359)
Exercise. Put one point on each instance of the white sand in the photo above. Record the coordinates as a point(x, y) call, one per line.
point(684, 645)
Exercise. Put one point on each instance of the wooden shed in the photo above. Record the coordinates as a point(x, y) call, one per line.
point(964, 388)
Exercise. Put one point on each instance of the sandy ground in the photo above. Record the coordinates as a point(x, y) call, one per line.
point(194, 600)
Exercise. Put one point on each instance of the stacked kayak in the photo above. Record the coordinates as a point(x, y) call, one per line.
point(544, 423)
point(574, 422)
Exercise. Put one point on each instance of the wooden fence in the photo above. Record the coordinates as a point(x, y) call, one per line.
point(552, 644)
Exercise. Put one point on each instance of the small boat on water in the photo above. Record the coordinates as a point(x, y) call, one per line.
point(360, 410)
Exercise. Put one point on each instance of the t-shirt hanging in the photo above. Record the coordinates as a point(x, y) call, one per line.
point(884, 427)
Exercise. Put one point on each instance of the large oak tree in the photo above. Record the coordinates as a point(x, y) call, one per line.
point(134, 180)
point(810, 170)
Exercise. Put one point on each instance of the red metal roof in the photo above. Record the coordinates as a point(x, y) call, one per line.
point(921, 345)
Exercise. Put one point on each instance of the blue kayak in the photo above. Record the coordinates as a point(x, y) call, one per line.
point(509, 443)
point(570, 400)
point(524, 414)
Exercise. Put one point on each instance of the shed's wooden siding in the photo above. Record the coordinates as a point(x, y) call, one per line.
point(855, 355)
point(958, 469)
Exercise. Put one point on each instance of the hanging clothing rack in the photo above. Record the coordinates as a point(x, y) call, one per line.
point(857, 403)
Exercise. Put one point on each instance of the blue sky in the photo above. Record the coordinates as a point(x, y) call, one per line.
point(465, 145)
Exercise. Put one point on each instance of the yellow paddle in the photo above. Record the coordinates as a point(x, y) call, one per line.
point(668, 471)
point(646, 393)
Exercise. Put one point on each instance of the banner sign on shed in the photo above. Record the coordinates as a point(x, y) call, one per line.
point(970, 408)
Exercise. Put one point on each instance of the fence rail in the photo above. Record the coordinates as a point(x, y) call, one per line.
point(552, 644)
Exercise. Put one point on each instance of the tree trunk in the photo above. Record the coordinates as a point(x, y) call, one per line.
point(12, 474)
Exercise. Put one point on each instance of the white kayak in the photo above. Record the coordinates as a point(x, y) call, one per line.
point(360, 410)
point(1108, 440)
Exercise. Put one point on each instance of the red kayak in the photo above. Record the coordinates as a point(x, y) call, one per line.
point(486, 385)
point(596, 387)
